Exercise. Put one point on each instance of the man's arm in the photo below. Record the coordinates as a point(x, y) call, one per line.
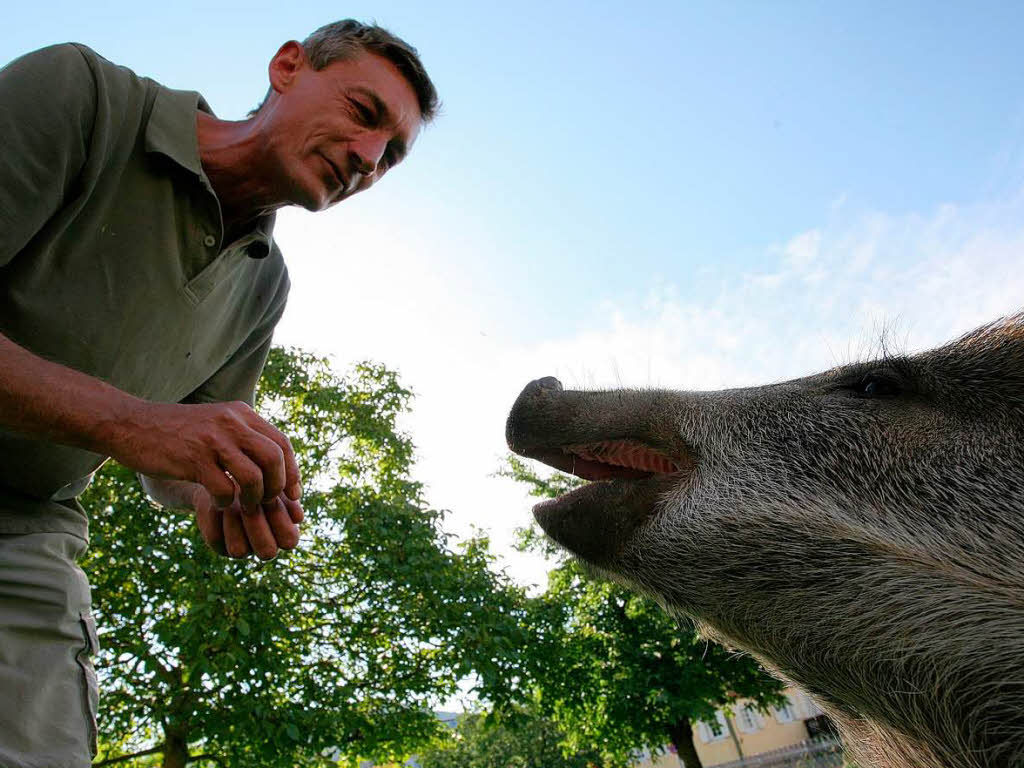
point(173, 494)
point(197, 443)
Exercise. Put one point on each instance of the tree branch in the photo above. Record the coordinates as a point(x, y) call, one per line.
point(122, 758)
point(216, 758)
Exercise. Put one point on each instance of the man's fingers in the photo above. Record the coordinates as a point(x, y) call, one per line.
point(286, 532)
point(269, 457)
point(220, 487)
point(294, 509)
point(210, 522)
point(249, 477)
point(235, 541)
point(257, 529)
point(292, 485)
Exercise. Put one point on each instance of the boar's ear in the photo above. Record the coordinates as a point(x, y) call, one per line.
point(987, 362)
point(1001, 339)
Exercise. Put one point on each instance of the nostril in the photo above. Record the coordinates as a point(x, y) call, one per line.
point(550, 383)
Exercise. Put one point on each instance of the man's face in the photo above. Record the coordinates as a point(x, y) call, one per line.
point(336, 131)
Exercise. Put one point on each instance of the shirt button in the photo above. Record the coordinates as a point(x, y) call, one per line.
point(209, 241)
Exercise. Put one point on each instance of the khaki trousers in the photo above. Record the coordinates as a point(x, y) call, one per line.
point(48, 693)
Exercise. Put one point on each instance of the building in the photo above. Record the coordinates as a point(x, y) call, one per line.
point(796, 730)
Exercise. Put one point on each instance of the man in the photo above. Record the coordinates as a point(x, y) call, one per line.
point(139, 288)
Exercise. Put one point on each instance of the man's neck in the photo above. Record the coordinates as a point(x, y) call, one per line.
point(233, 159)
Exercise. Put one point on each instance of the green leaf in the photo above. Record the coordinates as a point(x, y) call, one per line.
point(341, 644)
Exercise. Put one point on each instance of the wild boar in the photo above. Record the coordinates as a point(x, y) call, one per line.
point(860, 531)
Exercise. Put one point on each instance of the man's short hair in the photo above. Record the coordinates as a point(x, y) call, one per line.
point(347, 39)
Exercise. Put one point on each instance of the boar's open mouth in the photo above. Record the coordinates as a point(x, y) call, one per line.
point(595, 436)
point(617, 460)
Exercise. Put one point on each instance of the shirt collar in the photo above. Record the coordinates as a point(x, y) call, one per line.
point(171, 131)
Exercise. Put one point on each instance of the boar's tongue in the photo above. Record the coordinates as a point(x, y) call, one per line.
point(618, 459)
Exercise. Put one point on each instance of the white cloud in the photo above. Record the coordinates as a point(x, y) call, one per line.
point(815, 301)
point(803, 250)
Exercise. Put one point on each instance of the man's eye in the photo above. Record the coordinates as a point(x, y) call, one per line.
point(364, 114)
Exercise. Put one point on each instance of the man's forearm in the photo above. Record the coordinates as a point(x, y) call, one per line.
point(50, 401)
point(178, 494)
point(226, 447)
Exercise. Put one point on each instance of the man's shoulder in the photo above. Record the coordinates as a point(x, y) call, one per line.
point(75, 72)
point(55, 66)
point(62, 59)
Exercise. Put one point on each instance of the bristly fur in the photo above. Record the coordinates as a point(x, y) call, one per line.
point(868, 548)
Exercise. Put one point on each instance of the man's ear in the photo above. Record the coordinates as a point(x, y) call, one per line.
point(289, 60)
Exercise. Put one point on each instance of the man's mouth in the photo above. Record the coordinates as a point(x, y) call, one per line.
point(629, 474)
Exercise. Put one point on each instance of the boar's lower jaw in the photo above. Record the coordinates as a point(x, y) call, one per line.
point(596, 521)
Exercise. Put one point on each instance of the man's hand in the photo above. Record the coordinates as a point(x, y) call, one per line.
point(238, 457)
point(235, 532)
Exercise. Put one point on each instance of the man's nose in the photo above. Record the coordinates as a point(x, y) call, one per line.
point(367, 151)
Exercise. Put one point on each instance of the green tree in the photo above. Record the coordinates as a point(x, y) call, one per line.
point(334, 651)
point(612, 669)
point(523, 741)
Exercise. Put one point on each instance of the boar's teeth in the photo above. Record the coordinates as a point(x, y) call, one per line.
point(625, 453)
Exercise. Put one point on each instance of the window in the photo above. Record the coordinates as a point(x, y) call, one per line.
point(716, 730)
point(747, 719)
point(705, 733)
point(805, 707)
point(784, 713)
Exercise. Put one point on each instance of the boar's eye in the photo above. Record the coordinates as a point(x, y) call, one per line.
point(878, 385)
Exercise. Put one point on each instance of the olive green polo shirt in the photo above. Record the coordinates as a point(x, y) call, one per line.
point(112, 260)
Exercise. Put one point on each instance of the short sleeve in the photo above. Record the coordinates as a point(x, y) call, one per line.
point(237, 378)
point(47, 110)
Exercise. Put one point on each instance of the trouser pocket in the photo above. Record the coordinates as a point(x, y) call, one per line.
point(90, 686)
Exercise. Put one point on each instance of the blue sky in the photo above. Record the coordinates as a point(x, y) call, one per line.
point(681, 194)
point(587, 144)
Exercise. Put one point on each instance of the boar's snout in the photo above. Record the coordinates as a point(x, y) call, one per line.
point(602, 437)
point(548, 382)
point(534, 402)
